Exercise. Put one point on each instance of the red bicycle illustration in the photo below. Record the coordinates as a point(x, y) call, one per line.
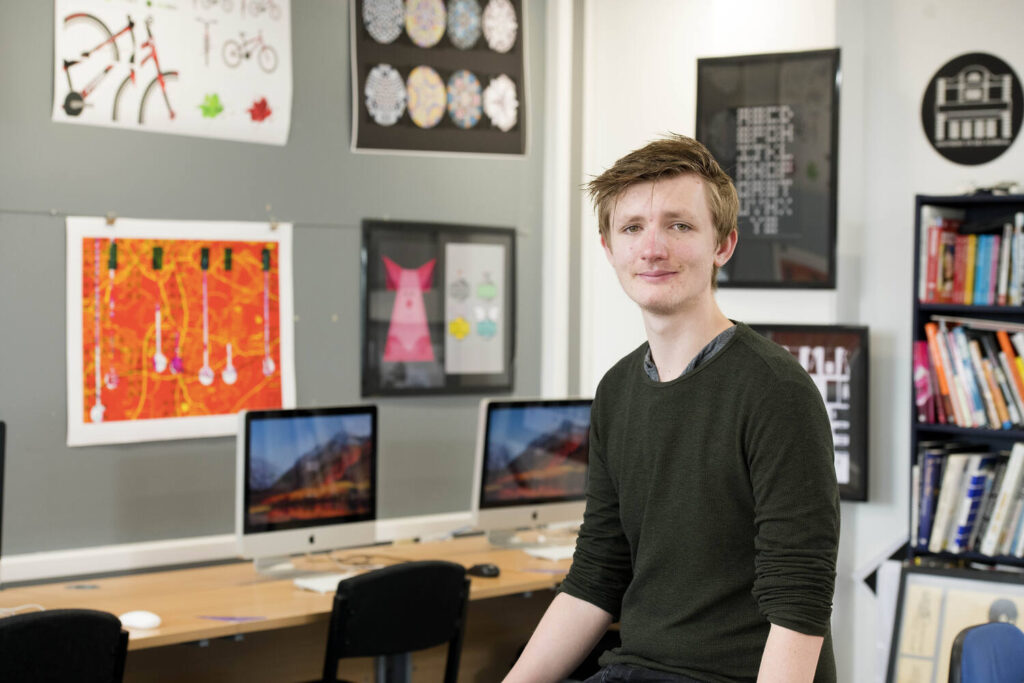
point(235, 51)
point(102, 58)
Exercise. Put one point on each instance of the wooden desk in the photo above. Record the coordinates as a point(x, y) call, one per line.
point(227, 601)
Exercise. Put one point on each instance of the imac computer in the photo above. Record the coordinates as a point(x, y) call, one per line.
point(531, 465)
point(306, 481)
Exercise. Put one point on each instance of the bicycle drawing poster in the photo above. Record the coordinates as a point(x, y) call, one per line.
point(174, 327)
point(207, 68)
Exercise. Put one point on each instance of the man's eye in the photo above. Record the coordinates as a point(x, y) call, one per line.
point(631, 228)
point(682, 227)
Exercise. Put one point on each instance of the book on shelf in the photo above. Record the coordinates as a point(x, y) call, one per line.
point(976, 374)
point(945, 506)
point(979, 468)
point(938, 225)
point(1006, 497)
point(970, 264)
point(992, 482)
point(932, 459)
point(924, 392)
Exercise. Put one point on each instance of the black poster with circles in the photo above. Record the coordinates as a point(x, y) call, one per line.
point(772, 121)
point(438, 76)
point(972, 108)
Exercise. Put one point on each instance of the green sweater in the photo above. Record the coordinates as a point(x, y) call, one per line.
point(712, 510)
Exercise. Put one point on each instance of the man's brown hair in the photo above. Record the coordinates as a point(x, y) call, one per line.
point(665, 158)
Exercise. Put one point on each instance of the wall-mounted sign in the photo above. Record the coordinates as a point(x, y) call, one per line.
point(972, 108)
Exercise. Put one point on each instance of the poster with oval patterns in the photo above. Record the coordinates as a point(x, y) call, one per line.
point(435, 76)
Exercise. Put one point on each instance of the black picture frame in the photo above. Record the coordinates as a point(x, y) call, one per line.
point(772, 122)
point(940, 602)
point(837, 359)
point(447, 329)
point(445, 58)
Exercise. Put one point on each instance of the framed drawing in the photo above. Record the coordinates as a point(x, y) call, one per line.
point(436, 77)
point(934, 605)
point(836, 358)
point(772, 123)
point(438, 308)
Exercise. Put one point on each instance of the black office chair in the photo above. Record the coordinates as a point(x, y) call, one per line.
point(59, 645)
point(396, 610)
point(987, 653)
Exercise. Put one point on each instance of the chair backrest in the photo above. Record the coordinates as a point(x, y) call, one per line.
point(987, 653)
point(398, 609)
point(55, 645)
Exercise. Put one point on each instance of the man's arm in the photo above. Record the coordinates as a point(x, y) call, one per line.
point(565, 635)
point(789, 656)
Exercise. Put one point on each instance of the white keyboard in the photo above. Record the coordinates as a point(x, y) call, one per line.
point(322, 583)
point(551, 552)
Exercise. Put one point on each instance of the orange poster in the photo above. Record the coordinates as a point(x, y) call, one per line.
point(174, 327)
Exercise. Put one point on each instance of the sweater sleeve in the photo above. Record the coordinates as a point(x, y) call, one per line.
point(796, 507)
point(601, 566)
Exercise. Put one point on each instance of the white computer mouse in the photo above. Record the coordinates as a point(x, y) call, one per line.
point(140, 618)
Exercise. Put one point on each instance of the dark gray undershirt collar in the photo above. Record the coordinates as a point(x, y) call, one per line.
point(713, 347)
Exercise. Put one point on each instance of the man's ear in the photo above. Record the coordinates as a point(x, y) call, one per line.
point(607, 249)
point(726, 248)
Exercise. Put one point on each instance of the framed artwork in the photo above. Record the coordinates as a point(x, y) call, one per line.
point(934, 605)
point(434, 76)
point(772, 122)
point(173, 327)
point(438, 308)
point(836, 358)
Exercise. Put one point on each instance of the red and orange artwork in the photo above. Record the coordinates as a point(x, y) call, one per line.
point(179, 328)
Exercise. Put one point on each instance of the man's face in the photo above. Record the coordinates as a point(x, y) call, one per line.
point(661, 243)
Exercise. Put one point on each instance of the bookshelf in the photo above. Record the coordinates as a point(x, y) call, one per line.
point(951, 296)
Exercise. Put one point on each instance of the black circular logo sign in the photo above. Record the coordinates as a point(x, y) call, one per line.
point(972, 108)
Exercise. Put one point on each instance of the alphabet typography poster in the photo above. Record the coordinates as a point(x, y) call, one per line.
point(210, 68)
point(174, 327)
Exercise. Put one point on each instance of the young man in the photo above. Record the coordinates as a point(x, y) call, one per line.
point(712, 519)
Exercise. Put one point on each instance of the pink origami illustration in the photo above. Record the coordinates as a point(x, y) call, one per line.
point(408, 336)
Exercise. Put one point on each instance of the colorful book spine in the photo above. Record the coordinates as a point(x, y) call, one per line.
point(965, 373)
point(932, 461)
point(1004, 264)
point(959, 268)
point(972, 251)
point(995, 534)
point(993, 269)
point(931, 331)
point(924, 397)
point(992, 483)
point(949, 497)
point(978, 468)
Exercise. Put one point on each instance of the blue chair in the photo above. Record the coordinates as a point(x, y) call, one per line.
point(988, 653)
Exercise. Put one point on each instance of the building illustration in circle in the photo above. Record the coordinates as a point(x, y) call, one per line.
point(975, 104)
point(972, 108)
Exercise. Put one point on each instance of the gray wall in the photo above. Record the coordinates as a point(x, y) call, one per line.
point(57, 497)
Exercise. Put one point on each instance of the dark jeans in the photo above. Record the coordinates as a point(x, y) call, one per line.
point(622, 673)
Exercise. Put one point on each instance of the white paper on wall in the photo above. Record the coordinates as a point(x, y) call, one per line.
point(475, 318)
point(208, 68)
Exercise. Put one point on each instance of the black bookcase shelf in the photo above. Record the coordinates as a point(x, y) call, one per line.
point(979, 211)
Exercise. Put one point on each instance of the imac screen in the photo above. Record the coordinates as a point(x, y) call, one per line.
point(309, 468)
point(535, 452)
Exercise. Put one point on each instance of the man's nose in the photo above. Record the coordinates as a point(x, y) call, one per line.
point(653, 247)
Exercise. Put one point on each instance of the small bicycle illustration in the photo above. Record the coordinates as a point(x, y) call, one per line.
point(257, 7)
point(75, 101)
point(226, 5)
point(244, 48)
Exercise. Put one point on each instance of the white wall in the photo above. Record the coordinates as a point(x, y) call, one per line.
point(640, 82)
